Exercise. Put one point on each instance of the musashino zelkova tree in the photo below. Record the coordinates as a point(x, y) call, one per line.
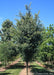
point(28, 35)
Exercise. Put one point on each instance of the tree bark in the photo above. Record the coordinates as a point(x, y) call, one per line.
point(5, 63)
point(27, 68)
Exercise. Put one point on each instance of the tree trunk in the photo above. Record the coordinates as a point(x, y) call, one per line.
point(27, 68)
point(49, 60)
point(5, 63)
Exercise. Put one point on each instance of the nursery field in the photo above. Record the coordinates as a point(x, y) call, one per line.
point(34, 68)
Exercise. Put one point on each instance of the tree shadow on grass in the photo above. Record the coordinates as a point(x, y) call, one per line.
point(50, 66)
point(16, 66)
point(0, 65)
point(5, 73)
point(37, 70)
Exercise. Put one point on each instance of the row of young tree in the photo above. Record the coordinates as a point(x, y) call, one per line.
point(28, 37)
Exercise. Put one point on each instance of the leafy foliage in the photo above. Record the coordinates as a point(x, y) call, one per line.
point(28, 34)
point(47, 47)
point(7, 45)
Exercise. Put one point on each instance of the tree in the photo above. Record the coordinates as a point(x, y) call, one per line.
point(47, 46)
point(8, 46)
point(6, 30)
point(28, 32)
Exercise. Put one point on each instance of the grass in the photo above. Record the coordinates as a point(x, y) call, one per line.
point(13, 70)
point(38, 70)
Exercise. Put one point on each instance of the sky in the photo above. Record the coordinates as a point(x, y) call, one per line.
point(10, 8)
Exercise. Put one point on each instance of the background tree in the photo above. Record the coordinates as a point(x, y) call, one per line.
point(47, 47)
point(7, 40)
point(6, 30)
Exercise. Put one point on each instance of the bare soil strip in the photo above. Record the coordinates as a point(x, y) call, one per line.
point(23, 72)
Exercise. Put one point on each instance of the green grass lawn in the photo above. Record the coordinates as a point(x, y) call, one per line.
point(13, 70)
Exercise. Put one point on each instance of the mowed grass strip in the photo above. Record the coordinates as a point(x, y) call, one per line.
point(11, 72)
